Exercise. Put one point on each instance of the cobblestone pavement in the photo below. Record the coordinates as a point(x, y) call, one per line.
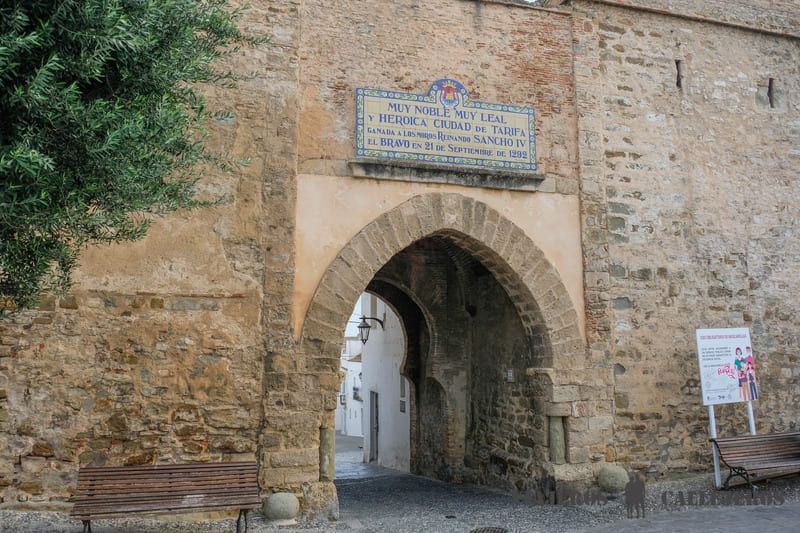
point(350, 460)
point(760, 519)
point(374, 499)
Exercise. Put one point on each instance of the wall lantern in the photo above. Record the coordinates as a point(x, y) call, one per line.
point(364, 327)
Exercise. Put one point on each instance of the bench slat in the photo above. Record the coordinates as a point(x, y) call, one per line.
point(144, 475)
point(756, 460)
point(219, 493)
point(765, 436)
point(757, 446)
point(760, 449)
point(762, 436)
point(202, 468)
point(137, 474)
point(93, 514)
point(171, 503)
point(751, 443)
point(165, 467)
point(232, 501)
point(135, 495)
point(776, 453)
point(196, 489)
point(97, 484)
point(771, 464)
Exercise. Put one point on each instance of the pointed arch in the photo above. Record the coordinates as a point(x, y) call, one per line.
point(518, 264)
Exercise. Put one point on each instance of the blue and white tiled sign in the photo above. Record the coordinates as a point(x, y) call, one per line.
point(444, 127)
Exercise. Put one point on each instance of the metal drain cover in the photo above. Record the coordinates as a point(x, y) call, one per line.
point(489, 530)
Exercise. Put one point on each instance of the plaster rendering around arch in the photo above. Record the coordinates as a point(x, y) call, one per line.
point(518, 264)
point(566, 393)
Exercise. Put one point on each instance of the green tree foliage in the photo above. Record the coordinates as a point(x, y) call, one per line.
point(100, 124)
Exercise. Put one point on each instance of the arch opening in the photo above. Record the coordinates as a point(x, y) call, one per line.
point(465, 352)
point(494, 311)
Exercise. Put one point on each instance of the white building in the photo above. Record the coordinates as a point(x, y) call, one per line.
point(386, 393)
point(350, 409)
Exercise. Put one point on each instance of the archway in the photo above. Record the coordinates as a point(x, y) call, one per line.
point(474, 237)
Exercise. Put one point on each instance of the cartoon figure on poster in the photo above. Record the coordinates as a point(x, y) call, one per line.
point(748, 390)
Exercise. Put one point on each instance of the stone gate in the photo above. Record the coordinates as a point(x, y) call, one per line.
point(554, 376)
point(663, 199)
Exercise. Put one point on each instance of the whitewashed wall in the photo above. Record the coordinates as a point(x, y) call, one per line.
point(382, 357)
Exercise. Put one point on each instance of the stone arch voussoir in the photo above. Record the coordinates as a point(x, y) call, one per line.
point(533, 284)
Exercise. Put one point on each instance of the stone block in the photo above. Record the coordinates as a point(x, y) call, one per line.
point(33, 465)
point(565, 393)
point(577, 454)
point(327, 453)
point(621, 400)
point(68, 302)
point(47, 303)
point(293, 458)
point(320, 500)
point(42, 449)
point(300, 475)
point(621, 303)
point(31, 487)
point(583, 408)
point(559, 409)
point(192, 304)
point(601, 422)
point(557, 440)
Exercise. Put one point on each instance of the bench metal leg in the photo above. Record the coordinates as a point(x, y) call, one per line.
point(736, 472)
point(742, 473)
point(87, 526)
point(242, 514)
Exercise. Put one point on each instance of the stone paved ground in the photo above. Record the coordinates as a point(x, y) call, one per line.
point(374, 499)
point(350, 459)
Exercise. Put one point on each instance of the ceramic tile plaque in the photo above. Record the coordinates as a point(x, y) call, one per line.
point(444, 127)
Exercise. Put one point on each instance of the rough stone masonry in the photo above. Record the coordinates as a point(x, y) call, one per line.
point(668, 141)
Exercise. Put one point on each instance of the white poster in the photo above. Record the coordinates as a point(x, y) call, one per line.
point(727, 365)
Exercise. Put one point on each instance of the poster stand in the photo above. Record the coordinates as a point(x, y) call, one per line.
point(721, 354)
point(712, 432)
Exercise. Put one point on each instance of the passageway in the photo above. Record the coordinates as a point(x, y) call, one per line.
point(487, 323)
point(382, 500)
point(453, 395)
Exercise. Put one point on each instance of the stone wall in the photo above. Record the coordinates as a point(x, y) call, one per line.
point(111, 379)
point(505, 433)
point(781, 16)
point(157, 354)
point(689, 219)
point(500, 53)
point(191, 345)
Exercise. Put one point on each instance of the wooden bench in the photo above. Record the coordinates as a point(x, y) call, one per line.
point(757, 457)
point(166, 489)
